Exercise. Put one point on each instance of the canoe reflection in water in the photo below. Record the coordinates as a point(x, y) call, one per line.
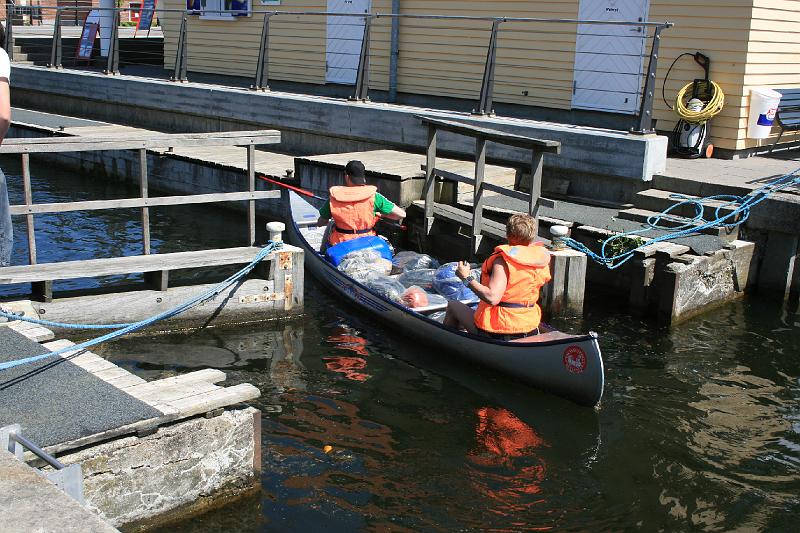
point(505, 465)
point(345, 338)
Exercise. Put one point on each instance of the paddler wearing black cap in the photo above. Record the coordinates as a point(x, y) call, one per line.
point(355, 205)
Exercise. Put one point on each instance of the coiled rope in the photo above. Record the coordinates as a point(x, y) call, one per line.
point(124, 329)
point(688, 226)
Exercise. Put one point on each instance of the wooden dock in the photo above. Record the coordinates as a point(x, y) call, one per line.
point(131, 437)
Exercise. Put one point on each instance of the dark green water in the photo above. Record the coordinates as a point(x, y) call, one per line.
point(698, 430)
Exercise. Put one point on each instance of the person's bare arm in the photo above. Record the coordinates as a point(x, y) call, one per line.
point(398, 213)
point(498, 280)
point(5, 108)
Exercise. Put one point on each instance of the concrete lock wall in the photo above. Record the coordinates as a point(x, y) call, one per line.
point(585, 152)
point(180, 469)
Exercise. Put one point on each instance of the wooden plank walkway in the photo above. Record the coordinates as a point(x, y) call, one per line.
point(175, 398)
point(233, 157)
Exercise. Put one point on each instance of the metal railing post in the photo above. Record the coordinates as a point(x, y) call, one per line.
point(9, 45)
point(645, 124)
point(487, 87)
point(179, 74)
point(261, 83)
point(112, 66)
point(55, 51)
point(362, 77)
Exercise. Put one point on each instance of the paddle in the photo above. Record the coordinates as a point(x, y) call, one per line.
point(310, 194)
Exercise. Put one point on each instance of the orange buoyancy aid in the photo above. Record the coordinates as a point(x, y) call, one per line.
point(353, 212)
point(517, 311)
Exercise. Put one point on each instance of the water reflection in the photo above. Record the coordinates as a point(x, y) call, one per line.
point(345, 338)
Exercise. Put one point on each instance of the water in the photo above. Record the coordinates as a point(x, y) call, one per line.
point(698, 430)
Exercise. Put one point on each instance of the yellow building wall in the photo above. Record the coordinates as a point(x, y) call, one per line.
point(773, 56)
point(750, 42)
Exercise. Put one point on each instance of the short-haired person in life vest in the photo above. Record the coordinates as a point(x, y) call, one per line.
point(355, 206)
point(509, 286)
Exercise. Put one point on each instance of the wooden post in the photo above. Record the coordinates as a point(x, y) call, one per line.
point(537, 160)
point(430, 178)
point(251, 186)
point(26, 185)
point(477, 211)
point(143, 194)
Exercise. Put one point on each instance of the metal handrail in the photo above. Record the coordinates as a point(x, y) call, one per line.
point(15, 437)
point(644, 122)
point(68, 478)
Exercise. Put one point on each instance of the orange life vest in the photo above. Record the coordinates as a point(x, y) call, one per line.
point(353, 212)
point(517, 312)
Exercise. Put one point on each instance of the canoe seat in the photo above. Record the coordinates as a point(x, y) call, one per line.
point(545, 337)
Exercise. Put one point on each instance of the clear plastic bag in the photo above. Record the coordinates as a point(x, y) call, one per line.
point(436, 299)
point(407, 261)
point(363, 264)
point(414, 297)
point(385, 286)
point(421, 278)
point(450, 286)
point(438, 316)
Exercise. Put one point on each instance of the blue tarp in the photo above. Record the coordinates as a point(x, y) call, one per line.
point(6, 230)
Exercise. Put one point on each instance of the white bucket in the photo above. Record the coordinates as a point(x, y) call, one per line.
point(763, 105)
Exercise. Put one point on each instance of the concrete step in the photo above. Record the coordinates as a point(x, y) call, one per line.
point(641, 215)
point(695, 188)
point(658, 200)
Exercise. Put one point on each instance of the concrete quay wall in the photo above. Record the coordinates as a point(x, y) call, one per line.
point(185, 468)
point(340, 125)
point(30, 502)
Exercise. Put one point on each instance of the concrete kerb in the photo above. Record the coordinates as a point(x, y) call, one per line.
point(585, 150)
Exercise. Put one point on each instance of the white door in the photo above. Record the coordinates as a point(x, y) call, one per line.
point(344, 40)
point(609, 59)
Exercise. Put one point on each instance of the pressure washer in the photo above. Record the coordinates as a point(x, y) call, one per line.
point(695, 104)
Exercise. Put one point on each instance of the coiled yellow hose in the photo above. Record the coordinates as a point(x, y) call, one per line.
point(710, 110)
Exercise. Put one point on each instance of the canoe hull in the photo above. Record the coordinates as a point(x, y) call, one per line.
point(570, 367)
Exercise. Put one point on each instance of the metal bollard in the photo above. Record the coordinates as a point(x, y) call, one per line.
point(275, 230)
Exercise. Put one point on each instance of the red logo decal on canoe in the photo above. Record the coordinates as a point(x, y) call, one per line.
point(574, 360)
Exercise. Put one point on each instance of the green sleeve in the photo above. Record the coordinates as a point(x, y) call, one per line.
point(382, 205)
point(325, 210)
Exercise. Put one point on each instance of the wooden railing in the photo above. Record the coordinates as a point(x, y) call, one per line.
point(478, 225)
point(41, 276)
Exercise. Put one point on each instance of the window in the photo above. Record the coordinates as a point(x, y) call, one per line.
point(219, 9)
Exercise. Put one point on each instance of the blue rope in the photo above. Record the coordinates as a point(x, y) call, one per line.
point(689, 226)
point(135, 326)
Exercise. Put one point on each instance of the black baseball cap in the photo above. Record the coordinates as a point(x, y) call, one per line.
point(355, 169)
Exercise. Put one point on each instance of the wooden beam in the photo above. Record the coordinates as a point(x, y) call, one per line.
point(537, 161)
point(251, 186)
point(137, 142)
point(430, 179)
point(26, 186)
point(130, 264)
point(95, 205)
point(477, 204)
point(519, 195)
point(145, 209)
point(489, 134)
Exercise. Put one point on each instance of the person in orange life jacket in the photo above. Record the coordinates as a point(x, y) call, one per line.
point(509, 286)
point(353, 206)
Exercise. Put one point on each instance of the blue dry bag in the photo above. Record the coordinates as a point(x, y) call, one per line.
point(337, 252)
